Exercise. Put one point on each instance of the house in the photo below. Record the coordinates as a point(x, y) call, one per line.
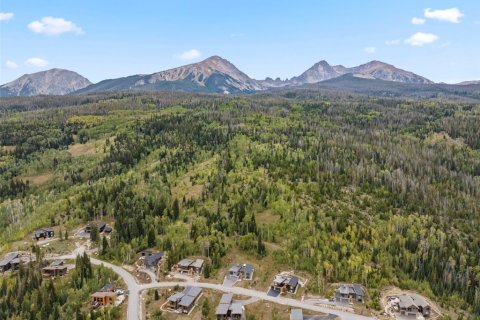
point(184, 301)
point(103, 298)
point(227, 309)
point(108, 288)
point(296, 314)
point(44, 233)
point(10, 261)
point(54, 271)
point(57, 263)
point(189, 266)
point(237, 311)
point(223, 309)
point(100, 226)
point(241, 271)
point(348, 293)
point(412, 304)
point(285, 283)
point(151, 260)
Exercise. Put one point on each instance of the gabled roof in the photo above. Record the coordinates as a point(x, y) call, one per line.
point(406, 301)
point(343, 289)
point(175, 297)
point(57, 263)
point(185, 263)
point(198, 263)
point(235, 268)
point(9, 257)
point(293, 282)
point(357, 289)
point(52, 268)
point(419, 301)
point(248, 268)
point(153, 259)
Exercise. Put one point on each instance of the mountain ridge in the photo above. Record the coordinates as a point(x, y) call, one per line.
point(49, 82)
point(211, 75)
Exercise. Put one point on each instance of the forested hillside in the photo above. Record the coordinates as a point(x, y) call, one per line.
point(377, 191)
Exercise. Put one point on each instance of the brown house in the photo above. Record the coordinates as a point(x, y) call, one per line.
point(189, 266)
point(103, 298)
point(54, 271)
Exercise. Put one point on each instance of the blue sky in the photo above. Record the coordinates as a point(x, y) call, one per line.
point(103, 39)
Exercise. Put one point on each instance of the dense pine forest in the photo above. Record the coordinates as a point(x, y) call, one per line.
point(369, 190)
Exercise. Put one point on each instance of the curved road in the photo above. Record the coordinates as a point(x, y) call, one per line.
point(135, 289)
point(134, 312)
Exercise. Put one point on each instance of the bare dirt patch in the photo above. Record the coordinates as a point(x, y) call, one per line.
point(78, 150)
point(39, 179)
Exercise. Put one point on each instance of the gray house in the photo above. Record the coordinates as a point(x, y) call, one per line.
point(347, 293)
point(412, 304)
point(185, 301)
point(241, 271)
point(229, 310)
point(10, 261)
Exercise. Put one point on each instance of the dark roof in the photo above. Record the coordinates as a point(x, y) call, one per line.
point(152, 260)
point(9, 257)
point(293, 282)
point(192, 291)
point(108, 229)
point(248, 268)
point(357, 289)
point(107, 287)
point(57, 263)
point(187, 301)
point(296, 314)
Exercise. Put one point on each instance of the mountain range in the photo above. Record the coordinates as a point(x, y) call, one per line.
point(212, 75)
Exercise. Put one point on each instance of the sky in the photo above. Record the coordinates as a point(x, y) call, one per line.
point(104, 39)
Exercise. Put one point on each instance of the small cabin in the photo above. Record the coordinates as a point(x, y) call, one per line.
point(43, 233)
point(54, 271)
point(103, 298)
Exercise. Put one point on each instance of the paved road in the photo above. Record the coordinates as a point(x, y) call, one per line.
point(135, 290)
point(134, 311)
point(260, 295)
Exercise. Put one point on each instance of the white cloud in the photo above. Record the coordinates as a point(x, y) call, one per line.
point(369, 49)
point(54, 26)
point(421, 38)
point(450, 15)
point(11, 64)
point(5, 16)
point(392, 42)
point(190, 54)
point(418, 21)
point(36, 62)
